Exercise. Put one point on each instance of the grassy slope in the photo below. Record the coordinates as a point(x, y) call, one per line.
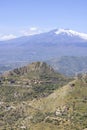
point(75, 118)
point(41, 112)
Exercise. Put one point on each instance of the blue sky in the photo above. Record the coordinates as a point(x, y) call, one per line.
point(18, 17)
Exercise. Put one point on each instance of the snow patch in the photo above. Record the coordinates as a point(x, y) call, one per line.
point(72, 33)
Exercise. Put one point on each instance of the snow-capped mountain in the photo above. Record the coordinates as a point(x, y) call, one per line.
point(71, 33)
point(52, 44)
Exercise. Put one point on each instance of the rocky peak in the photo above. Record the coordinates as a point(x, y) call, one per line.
point(40, 67)
point(35, 67)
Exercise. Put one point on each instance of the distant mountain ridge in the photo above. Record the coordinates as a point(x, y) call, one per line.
point(44, 46)
point(70, 66)
point(67, 65)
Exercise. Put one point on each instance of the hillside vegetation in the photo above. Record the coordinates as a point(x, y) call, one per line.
point(35, 97)
point(33, 81)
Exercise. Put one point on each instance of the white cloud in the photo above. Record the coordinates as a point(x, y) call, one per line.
point(33, 28)
point(27, 31)
point(31, 31)
point(7, 37)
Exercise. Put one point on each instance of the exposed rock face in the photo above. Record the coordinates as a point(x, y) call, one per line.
point(37, 67)
point(61, 111)
point(42, 67)
point(82, 77)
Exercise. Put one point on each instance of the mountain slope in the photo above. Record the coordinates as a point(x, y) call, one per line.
point(69, 65)
point(66, 108)
point(35, 97)
point(43, 46)
point(33, 81)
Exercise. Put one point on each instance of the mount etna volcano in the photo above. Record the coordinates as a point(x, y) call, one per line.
point(42, 47)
